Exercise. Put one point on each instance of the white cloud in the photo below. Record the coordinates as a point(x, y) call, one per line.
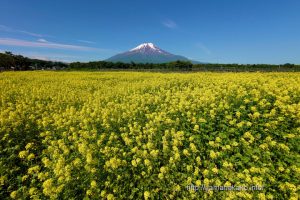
point(86, 41)
point(42, 40)
point(42, 44)
point(30, 33)
point(9, 29)
point(169, 24)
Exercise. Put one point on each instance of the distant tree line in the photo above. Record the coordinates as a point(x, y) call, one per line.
point(246, 67)
point(9, 61)
point(176, 65)
point(182, 66)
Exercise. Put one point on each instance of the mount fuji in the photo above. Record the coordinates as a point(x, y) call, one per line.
point(146, 53)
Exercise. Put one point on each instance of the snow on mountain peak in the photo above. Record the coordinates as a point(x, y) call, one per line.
point(146, 45)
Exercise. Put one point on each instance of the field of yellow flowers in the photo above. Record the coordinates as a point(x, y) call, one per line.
point(139, 135)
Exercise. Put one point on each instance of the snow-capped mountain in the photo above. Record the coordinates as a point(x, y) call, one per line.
point(146, 53)
point(148, 48)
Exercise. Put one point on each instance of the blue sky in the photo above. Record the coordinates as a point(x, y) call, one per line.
point(217, 31)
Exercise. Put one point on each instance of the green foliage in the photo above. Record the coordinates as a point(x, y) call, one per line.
point(9, 61)
point(181, 66)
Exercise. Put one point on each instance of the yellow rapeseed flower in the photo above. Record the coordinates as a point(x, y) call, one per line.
point(146, 194)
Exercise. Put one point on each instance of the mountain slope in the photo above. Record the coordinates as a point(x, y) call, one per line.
point(146, 53)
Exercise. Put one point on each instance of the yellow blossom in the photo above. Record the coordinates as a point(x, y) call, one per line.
point(93, 184)
point(13, 195)
point(146, 194)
